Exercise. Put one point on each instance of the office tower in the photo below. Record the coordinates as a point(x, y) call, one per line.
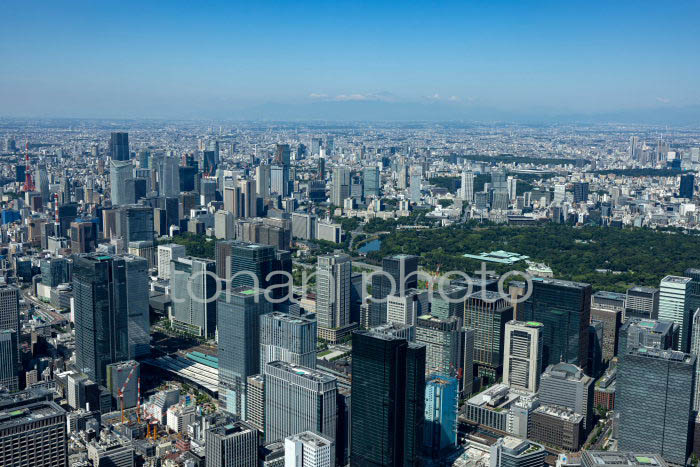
point(232, 444)
point(9, 358)
point(695, 350)
point(522, 359)
point(232, 197)
point(239, 312)
point(209, 162)
point(444, 344)
point(449, 301)
point(565, 385)
point(287, 338)
point(372, 182)
point(303, 225)
point(119, 146)
point(499, 186)
point(223, 225)
point(249, 198)
point(341, 185)
point(440, 428)
point(687, 186)
point(207, 191)
point(654, 397)
point(467, 188)
point(223, 258)
point(298, 399)
point(580, 192)
point(262, 180)
point(119, 173)
point(135, 223)
point(34, 434)
point(405, 308)
point(638, 332)
point(167, 253)
point(333, 292)
point(487, 313)
point(193, 285)
point(282, 154)
point(510, 451)
point(675, 301)
point(255, 401)
point(316, 146)
point(564, 308)
point(279, 180)
point(388, 399)
point(137, 305)
point(101, 314)
point(168, 172)
point(694, 275)
point(608, 307)
point(9, 308)
point(251, 264)
point(83, 237)
point(399, 273)
point(559, 194)
point(308, 449)
point(468, 367)
point(642, 302)
point(416, 180)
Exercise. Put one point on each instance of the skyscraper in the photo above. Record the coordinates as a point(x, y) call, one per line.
point(441, 401)
point(341, 185)
point(231, 445)
point(372, 182)
point(135, 223)
point(399, 273)
point(564, 308)
point(642, 302)
point(654, 397)
point(695, 350)
point(487, 313)
point(119, 173)
point(9, 308)
point(9, 358)
point(687, 186)
point(444, 344)
point(608, 307)
point(137, 306)
point(333, 294)
point(167, 253)
point(467, 188)
point(298, 399)
point(101, 314)
point(580, 192)
point(193, 286)
point(522, 360)
point(119, 146)
point(262, 180)
point(287, 338)
point(279, 180)
point(565, 385)
point(239, 313)
point(388, 398)
point(168, 171)
point(675, 304)
point(252, 263)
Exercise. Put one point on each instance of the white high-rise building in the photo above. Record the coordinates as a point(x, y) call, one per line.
point(512, 188)
point(333, 273)
point(119, 173)
point(467, 189)
point(522, 359)
point(262, 180)
point(223, 225)
point(404, 309)
point(166, 253)
point(675, 305)
point(307, 449)
point(559, 193)
point(168, 176)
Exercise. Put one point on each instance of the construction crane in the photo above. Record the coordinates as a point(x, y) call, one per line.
point(121, 391)
point(28, 180)
point(138, 400)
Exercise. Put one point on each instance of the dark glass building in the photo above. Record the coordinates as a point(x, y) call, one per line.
point(388, 398)
point(654, 397)
point(402, 268)
point(238, 315)
point(687, 187)
point(119, 146)
point(249, 260)
point(564, 308)
point(101, 314)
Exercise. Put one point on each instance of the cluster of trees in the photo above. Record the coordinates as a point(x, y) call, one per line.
point(195, 245)
point(417, 217)
point(510, 158)
point(644, 172)
point(631, 256)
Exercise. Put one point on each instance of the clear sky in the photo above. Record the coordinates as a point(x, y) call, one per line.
point(231, 59)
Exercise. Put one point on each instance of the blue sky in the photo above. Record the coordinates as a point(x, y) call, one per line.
point(219, 59)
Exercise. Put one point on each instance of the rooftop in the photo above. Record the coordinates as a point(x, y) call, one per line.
point(302, 371)
point(29, 413)
point(601, 458)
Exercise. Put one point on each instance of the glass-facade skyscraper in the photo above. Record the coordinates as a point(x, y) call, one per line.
point(101, 314)
point(564, 308)
point(402, 268)
point(388, 399)
point(239, 312)
point(119, 146)
point(654, 397)
point(193, 284)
